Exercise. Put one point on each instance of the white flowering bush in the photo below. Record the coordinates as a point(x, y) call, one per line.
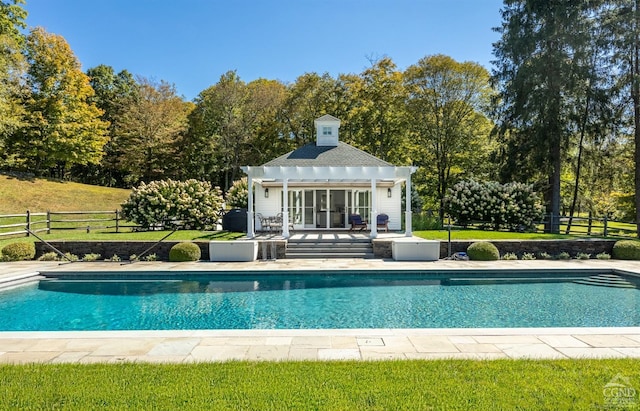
point(514, 205)
point(191, 204)
point(237, 196)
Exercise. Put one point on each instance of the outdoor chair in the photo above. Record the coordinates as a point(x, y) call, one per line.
point(357, 222)
point(382, 221)
point(276, 222)
point(265, 222)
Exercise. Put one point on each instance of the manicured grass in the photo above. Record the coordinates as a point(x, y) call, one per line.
point(40, 195)
point(384, 385)
point(489, 235)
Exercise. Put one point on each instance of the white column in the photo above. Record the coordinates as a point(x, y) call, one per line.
point(374, 209)
point(407, 215)
point(285, 209)
point(251, 233)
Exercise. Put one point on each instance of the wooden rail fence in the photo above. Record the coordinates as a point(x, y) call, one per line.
point(21, 224)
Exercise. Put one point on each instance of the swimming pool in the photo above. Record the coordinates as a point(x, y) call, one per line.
point(322, 300)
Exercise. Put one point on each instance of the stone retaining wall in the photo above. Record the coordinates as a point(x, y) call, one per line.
point(124, 249)
point(382, 247)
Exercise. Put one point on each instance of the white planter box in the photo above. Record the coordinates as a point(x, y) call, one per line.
point(233, 250)
point(415, 249)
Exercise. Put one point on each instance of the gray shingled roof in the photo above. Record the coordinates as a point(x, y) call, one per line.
point(342, 155)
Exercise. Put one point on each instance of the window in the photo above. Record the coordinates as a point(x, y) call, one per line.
point(326, 131)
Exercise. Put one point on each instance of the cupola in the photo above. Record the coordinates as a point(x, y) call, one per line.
point(327, 131)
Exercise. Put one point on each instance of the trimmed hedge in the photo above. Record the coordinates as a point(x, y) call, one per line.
point(626, 250)
point(483, 251)
point(184, 252)
point(18, 252)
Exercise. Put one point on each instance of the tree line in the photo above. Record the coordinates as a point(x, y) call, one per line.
point(560, 109)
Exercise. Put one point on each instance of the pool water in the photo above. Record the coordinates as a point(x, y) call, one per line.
point(322, 301)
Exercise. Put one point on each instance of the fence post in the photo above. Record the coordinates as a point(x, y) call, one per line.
point(48, 221)
point(606, 230)
point(590, 223)
point(28, 223)
point(117, 220)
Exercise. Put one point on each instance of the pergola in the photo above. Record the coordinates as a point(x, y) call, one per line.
point(339, 176)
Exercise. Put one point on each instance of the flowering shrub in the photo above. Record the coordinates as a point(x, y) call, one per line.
point(237, 194)
point(513, 205)
point(191, 204)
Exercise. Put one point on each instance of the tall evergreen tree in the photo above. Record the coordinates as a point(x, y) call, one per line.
point(621, 20)
point(536, 76)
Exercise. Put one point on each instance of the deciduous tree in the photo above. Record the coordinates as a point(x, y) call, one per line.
point(150, 128)
point(61, 125)
point(445, 108)
point(12, 68)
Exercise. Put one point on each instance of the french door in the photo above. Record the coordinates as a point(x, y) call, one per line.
point(327, 208)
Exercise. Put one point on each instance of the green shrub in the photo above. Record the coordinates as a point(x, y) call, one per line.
point(528, 256)
point(191, 204)
point(564, 256)
point(18, 252)
point(150, 257)
point(583, 256)
point(426, 221)
point(483, 251)
point(70, 257)
point(50, 256)
point(114, 257)
point(626, 250)
point(91, 257)
point(545, 256)
point(184, 252)
point(603, 256)
point(510, 256)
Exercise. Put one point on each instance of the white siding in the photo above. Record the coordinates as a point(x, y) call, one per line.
point(268, 207)
point(391, 206)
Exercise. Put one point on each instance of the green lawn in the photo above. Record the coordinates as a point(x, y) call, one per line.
point(383, 385)
point(458, 234)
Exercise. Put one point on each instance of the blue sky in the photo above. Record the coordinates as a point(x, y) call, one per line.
point(192, 42)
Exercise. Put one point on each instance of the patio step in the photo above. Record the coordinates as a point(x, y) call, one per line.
point(353, 248)
point(607, 280)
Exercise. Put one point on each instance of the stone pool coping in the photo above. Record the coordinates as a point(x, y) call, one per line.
point(325, 344)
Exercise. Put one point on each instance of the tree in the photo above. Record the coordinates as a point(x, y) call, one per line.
point(151, 126)
point(375, 117)
point(234, 124)
point(61, 125)
point(310, 97)
point(621, 20)
point(537, 79)
point(12, 68)
point(114, 93)
point(265, 122)
point(445, 107)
